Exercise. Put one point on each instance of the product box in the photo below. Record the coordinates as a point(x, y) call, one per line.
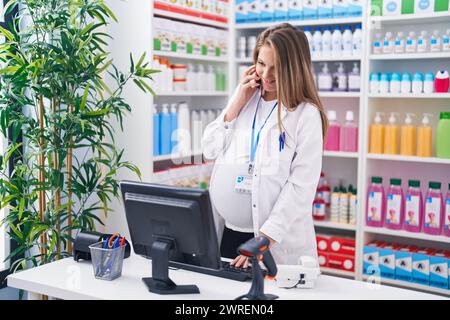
point(325, 9)
point(371, 257)
point(295, 9)
point(376, 8)
point(241, 11)
point(281, 10)
point(392, 7)
point(267, 10)
point(355, 8)
point(403, 262)
point(421, 266)
point(323, 243)
point(323, 258)
point(342, 245)
point(439, 269)
point(253, 10)
point(340, 8)
point(441, 5)
point(341, 262)
point(387, 260)
point(408, 6)
point(423, 6)
point(310, 9)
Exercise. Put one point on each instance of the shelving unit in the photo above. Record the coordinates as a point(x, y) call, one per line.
point(335, 225)
point(190, 57)
point(410, 95)
point(408, 19)
point(411, 56)
point(337, 94)
point(408, 235)
point(192, 93)
point(340, 154)
point(187, 18)
point(337, 272)
point(430, 160)
point(301, 23)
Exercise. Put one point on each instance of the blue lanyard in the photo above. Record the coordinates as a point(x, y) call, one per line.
point(254, 144)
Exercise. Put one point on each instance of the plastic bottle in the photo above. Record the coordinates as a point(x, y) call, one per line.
point(169, 76)
point(399, 44)
point(377, 135)
point(443, 136)
point(211, 78)
point(201, 76)
point(375, 203)
point(324, 190)
point(411, 43)
point(446, 41)
point(343, 206)
point(317, 43)
point(336, 42)
point(354, 79)
point(333, 132)
point(388, 44)
point(340, 78)
point(447, 213)
point(173, 128)
point(156, 131)
point(334, 208)
point(407, 136)
point(374, 83)
point(191, 78)
point(435, 42)
point(434, 209)
point(442, 81)
point(347, 42)
point(417, 83)
point(184, 128)
point(165, 127)
point(424, 137)
point(357, 40)
point(395, 83)
point(349, 134)
point(391, 136)
point(353, 206)
point(406, 84)
point(395, 211)
point(319, 212)
point(377, 47)
point(413, 207)
point(384, 83)
point(156, 76)
point(326, 42)
point(325, 79)
point(196, 130)
point(309, 36)
point(422, 42)
point(428, 83)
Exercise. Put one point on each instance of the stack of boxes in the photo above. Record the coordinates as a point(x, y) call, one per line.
point(428, 267)
point(336, 252)
point(400, 7)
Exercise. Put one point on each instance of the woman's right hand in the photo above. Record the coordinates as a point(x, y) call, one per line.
point(247, 87)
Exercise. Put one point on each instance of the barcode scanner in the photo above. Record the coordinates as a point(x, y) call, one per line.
point(257, 249)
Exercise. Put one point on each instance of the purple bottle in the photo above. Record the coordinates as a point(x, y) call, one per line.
point(395, 211)
point(447, 213)
point(413, 207)
point(375, 203)
point(434, 209)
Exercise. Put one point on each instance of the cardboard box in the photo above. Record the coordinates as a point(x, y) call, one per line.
point(340, 8)
point(387, 260)
point(323, 258)
point(241, 8)
point(371, 258)
point(325, 9)
point(355, 8)
point(323, 242)
point(310, 9)
point(253, 10)
point(403, 263)
point(341, 262)
point(441, 5)
point(439, 269)
point(392, 7)
point(376, 8)
point(295, 10)
point(421, 266)
point(342, 245)
point(267, 10)
point(281, 10)
point(423, 6)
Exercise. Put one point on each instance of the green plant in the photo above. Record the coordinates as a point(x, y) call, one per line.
point(52, 91)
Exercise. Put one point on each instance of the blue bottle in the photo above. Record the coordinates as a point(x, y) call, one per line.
point(165, 128)
point(173, 128)
point(156, 131)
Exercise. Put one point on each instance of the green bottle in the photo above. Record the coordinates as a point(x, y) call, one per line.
point(443, 136)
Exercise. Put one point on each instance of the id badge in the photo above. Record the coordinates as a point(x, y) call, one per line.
point(243, 184)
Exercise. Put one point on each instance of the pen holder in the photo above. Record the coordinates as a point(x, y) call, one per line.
point(107, 263)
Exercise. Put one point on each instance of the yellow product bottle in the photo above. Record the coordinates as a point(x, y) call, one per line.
point(391, 136)
point(376, 143)
point(407, 137)
point(424, 137)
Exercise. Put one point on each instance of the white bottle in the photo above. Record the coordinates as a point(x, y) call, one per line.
point(435, 43)
point(191, 78)
point(325, 79)
point(336, 42)
point(340, 79)
point(406, 84)
point(184, 129)
point(169, 78)
point(156, 76)
point(399, 44)
point(317, 43)
point(388, 45)
point(422, 42)
point(354, 79)
point(211, 78)
point(446, 41)
point(326, 42)
point(411, 43)
point(196, 130)
point(242, 47)
point(335, 204)
point(357, 40)
point(201, 76)
point(309, 36)
point(374, 85)
point(377, 47)
point(395, 83)
point(347, 42)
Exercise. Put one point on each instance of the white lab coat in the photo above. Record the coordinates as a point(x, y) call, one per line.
point(284, 183)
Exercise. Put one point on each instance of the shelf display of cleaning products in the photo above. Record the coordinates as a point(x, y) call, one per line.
point(187, 77)
point(186, 176)
point(336, 252)
point(407, 7)
point(216, 10)
point(408, 211)
point(282, 10)
point(245, 47)
point(339, 81)
point(188, 38)
point(396, 83)
point(408, 263)
point(411, 43)
point(341, 138)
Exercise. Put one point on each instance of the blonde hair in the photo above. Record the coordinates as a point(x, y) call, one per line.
point(293, 69)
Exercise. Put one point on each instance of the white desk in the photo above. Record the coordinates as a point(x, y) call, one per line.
point(67, 279)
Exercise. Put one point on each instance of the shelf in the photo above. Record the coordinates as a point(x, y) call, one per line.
point(411, 56)
point(175, 156)
point(408, 158)
point(340, 154)
point(337, 272)
point(334, 225)
point(410, 95)
point(186, 56)
point(300, 23)
point(191, 94)
point(406, 234)
point(188, 18)
point(434, 17)
point(410, 285)
point(244, 60)
point(321, 59)
point(337, 94)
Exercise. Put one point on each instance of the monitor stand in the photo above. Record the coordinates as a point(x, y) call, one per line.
point(160, 282)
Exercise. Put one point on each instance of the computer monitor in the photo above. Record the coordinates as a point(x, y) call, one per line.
point(172, 226)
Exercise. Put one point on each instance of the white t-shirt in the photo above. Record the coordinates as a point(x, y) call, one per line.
point(235, 207)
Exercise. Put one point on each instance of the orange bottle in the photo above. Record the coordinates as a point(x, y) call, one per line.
point(391, 136)
point(424, 137)
point(407, 137)
point(376, 143)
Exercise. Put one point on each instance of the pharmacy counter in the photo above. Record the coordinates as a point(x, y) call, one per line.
point(67, 279)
